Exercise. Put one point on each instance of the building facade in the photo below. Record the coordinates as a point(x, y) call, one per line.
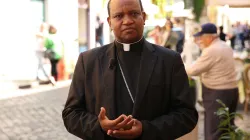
point(21, 21)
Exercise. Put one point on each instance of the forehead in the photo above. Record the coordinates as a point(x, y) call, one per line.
point(206, 37)
point(203, 37)
point(119, 5)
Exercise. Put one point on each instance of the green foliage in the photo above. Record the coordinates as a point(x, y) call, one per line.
point(231, 132)
point(198, 6)
point(188, 4)
point(191, 82)
point(161, 4)
point(103, 2)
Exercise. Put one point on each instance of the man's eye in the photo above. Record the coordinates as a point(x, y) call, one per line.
point(135, 13)
point(117, 16)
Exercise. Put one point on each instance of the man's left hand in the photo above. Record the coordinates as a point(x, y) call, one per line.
point(132, 133)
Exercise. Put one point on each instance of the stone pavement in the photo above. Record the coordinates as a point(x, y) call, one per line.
point(38, 117)
point(34, 117)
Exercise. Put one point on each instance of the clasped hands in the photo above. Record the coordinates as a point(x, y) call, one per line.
point(123, 127)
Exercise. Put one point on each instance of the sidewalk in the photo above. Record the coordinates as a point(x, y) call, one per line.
point(10, 90)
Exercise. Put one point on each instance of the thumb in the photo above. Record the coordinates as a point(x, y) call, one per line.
point(102, 113)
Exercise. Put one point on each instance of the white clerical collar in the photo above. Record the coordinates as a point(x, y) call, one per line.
point(126, 47)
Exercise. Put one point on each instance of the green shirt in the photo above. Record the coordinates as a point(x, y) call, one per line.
point(55, 44)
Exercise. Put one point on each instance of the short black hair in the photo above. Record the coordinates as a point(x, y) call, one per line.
point(108, 6)
point(221, 28)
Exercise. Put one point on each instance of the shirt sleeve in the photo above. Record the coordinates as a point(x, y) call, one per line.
point(48, 43)
point(202, 64)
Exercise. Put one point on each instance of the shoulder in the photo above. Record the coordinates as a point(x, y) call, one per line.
point(94, 53)
point(220, 45)
point(168, 58)
point(52, 37)
point(165, 56)
point(217, 48)
point(163, 52)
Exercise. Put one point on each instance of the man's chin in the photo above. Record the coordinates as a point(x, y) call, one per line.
point(130, 39)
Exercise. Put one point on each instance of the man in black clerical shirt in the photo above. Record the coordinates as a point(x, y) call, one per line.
point(129, 89)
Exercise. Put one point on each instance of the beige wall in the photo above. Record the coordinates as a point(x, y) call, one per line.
point(83, 31)
point(229, 2)
point(63, 14)
point(17, 55)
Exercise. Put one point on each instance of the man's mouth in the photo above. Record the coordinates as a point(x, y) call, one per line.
point(128, 29)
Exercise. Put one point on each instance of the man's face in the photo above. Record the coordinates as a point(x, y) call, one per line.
point(197, 41)
point(126, 20)
point(206, 40)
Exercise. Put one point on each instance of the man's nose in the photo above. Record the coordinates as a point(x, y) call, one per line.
point(128, 20)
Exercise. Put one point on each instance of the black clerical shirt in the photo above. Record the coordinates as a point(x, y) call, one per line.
point(130, 63)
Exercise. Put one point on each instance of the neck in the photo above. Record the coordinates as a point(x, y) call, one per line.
point(212, 40)
point(135, 46)
point(129, 43)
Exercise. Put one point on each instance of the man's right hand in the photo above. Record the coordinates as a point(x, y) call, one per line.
point(117, 124)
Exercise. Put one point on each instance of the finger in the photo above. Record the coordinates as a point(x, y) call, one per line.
point(118, 120)
point(123, 123)
point(129, 124)
point(102, 113)
point(132, 133)
point(109, 132)
point(127, 134)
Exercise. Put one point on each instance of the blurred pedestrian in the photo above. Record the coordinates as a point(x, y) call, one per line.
point(129, 89)
point(239, 41)
point(222, 35)
point(156, 34)
point(191, 50)
point(246, 35)
point(99, 31)
point(40, 53)
point(54, 50)
point(169, 37)
point(218, 76)
point(179, 29)
point(232, 36)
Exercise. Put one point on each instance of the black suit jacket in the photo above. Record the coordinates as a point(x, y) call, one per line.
point(163, 103)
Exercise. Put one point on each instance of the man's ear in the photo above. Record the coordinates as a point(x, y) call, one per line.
point(144, 15)
point(109, 22)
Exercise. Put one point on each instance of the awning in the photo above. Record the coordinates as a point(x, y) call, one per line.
point(231, 3)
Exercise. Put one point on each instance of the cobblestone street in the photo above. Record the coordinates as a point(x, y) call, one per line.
point(38, 117)
point(34, 117)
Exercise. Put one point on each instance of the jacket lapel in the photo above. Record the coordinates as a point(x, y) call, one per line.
point(109, 80)
point(147, 66)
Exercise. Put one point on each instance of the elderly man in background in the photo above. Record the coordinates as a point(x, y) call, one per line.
point(218, 76)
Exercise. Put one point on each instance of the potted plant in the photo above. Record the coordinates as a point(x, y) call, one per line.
point(230, 132)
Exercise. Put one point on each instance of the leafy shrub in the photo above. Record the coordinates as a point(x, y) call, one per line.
point(230, 132)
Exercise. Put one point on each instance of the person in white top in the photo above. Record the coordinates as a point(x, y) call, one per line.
point(218, 76)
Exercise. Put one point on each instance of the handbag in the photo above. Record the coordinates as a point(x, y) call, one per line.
point(172, 40)
point(50, 54)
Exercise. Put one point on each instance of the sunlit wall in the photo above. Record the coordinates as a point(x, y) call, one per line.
point(17, 39)
point(20, 20)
